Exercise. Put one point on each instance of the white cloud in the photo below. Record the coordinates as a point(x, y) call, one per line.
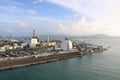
point(105, 13)
point(11, 9)
point(36, 1)
point(82, 27)
point(22, 24)
point(32, 11)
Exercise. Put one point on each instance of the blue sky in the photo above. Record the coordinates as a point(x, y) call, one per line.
point(66, 17)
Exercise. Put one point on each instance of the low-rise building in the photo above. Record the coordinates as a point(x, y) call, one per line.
point(51, 43)
point(2, 49)
point(23, 45)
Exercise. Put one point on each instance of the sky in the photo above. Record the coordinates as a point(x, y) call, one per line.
point(63, 17)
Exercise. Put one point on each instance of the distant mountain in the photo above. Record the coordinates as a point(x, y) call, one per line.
point(99, 36)
point(104, 36)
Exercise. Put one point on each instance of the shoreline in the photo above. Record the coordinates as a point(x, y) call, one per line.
point(30, 60)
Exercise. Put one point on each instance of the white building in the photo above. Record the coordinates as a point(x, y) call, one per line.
point(34, 40)
point(52, 43)
point(8, 47)
point(66, 45)
point(2, 49)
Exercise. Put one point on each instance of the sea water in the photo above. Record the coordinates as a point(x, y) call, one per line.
point(100, 66)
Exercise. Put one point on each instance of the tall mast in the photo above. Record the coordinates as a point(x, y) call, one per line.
point(33, 33)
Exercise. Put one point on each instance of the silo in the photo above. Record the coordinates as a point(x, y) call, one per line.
point(70, 45)
point(66, 45)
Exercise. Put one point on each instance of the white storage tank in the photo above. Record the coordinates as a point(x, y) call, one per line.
point(66, 45)
point(70, 45)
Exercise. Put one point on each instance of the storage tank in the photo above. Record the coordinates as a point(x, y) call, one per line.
point(66, 45)
point(70, 45)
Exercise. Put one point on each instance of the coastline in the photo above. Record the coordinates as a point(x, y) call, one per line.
point(28, 61)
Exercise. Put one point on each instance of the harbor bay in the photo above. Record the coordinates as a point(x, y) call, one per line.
point(103, 66)
point(59, 40)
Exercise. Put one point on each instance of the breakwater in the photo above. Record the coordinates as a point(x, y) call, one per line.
point(30, 60)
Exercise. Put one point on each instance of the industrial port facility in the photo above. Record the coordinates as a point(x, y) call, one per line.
point(14, 53)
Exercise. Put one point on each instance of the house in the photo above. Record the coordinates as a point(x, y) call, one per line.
point(2, 49)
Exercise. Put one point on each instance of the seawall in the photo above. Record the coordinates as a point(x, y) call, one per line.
point(27, 61)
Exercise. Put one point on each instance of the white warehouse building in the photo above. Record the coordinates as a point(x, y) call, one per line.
point(66, 45)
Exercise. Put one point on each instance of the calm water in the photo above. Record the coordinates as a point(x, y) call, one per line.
point(101, 66)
